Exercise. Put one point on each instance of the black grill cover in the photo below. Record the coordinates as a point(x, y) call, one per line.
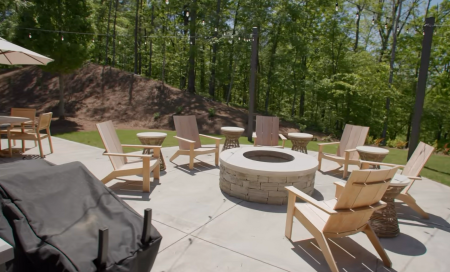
point(51, 216)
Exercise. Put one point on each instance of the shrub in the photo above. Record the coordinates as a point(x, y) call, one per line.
point(378, 141)
point(396, 143)
point(156, 115)
point(179, 110)
point(212, 112)
point(369, 140)
point(301, 127)
point(446, 149)
point(328, 138)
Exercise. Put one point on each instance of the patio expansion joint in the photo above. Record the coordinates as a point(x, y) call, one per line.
point(197, 237)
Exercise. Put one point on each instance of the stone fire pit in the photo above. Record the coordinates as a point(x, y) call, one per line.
point(259, 174)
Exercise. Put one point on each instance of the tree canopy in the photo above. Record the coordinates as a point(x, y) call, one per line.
point(321, 64)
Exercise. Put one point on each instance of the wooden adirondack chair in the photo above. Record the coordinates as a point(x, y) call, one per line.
point(411, 170)
point(33, 134)
point(352, 137)
point(189, 140)
point(122, 167)
point(350, 215)
point(267, 128)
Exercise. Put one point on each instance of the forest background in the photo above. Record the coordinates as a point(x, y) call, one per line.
point(321, 64)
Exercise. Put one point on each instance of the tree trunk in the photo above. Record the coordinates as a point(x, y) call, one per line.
point(355, 47)
point(106, 49)
point(62, 114)
point(151, 43)
point(136, 26)
point(202, 70)
point(230, 65)
point(271, 66)
point(212, 79)
point(114, 34)
point(130, 91)
point(192, 48)
point(391, 73)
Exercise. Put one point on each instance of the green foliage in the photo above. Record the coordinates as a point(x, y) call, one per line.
point(156, 115)
point(396, 143)
point(179, 110)
point(212, 112)
point(311, 69)
point(69, 51)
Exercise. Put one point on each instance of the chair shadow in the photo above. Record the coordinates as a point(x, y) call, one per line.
point(199, 166)
point(336, 173)
point(132, 190)
point(348, 254)
point(404, 212)
point(404, 244)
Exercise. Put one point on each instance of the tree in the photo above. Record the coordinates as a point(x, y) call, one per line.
point(69, 51)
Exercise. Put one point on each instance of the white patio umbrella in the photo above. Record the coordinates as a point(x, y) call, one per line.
point(12, 54)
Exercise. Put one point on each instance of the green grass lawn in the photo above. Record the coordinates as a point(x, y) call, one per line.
point(435, 169)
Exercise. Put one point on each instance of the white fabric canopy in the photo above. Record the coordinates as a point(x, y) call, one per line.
point(12, 54)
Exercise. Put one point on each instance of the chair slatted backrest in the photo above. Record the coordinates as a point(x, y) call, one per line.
point(111, 143)
point(363, 189)
point(418, 160)
point(44, 121)
point(267, 128)
point(352, 137)
point(25, 112)
point(186, 127)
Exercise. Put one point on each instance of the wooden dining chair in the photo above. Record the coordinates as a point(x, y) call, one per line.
point(347, 215)
point(29, 126)
point(33, 135)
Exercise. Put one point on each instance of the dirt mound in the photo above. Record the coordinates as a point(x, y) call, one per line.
point(85, 104)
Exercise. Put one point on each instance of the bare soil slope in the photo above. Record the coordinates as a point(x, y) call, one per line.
point(85, 104)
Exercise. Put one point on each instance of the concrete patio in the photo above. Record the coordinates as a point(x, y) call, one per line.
point(204, 229)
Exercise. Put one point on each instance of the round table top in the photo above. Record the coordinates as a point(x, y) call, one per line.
point(232, 129)
point(300, 135)
point(372, 150)
point(400, 180)
point(151, 135)
point(301, 164)
point(13, 119)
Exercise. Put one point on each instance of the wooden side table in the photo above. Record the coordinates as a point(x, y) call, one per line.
point(385, 221)
point(153, 138)
point(232, 135)
point(300, 141)
point(371, 153)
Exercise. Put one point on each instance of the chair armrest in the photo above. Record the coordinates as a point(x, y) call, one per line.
point(128, 155)
point(415, 178)
point(367, 163)
point(282, 137)
point(350, 150)
point(309, 199)
point(332, 143)
point(184, 140)
point(142, 146)
point(339, 183)
point(210, 137)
